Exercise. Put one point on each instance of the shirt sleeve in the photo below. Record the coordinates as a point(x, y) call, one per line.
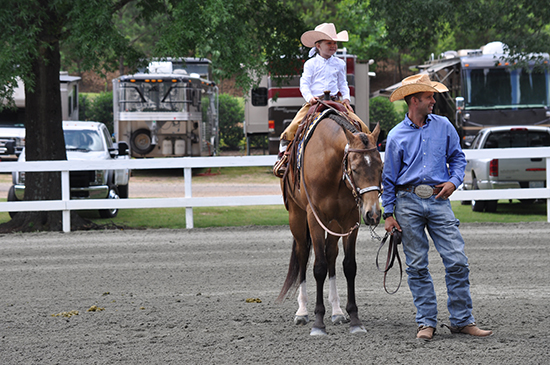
point(389, 176)
point(306, 79)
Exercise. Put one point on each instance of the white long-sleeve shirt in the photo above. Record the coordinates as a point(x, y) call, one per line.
point(322, 74)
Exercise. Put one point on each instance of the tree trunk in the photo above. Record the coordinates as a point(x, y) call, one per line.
point(44, 130)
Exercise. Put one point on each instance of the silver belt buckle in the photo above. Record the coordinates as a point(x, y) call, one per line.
point(424, 191)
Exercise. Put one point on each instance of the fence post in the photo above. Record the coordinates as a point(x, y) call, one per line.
point(548, 187)
point(66, 196)
point(187, 174)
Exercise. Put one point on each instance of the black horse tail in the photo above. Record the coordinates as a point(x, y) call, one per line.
point(296, 268)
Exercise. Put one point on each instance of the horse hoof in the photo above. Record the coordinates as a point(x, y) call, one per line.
point(339, 319)
point(357, 329)
point(301, 320)
point(318, 332)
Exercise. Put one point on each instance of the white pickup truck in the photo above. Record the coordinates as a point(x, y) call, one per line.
point(87, 141)
point(512, 173)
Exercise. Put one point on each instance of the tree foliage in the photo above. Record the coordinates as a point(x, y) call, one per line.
point(238, 35)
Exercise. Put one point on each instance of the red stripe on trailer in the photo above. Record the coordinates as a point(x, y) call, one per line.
point(287, 92)
point(294, 92)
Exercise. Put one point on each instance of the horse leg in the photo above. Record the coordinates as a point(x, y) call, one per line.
point(350, 271)
point(301, 316)
point(338, 316)
point(319, 273)
point(302, 247)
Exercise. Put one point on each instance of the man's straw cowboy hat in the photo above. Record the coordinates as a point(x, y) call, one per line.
point(325, 31)
point(417, 84)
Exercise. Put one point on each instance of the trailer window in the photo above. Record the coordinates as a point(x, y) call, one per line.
point(259, 96)
point(505, 88)
point(141, 96)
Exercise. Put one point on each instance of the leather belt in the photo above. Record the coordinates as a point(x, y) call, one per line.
point(422, 191)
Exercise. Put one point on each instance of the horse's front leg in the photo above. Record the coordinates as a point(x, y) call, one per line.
point(350, 271)
point(338, 316)
point(320, 273)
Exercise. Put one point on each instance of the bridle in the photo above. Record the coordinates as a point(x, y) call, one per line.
point(356, 191)
point(346, 173)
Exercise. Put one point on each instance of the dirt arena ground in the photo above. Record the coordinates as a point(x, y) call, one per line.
point(180, 297)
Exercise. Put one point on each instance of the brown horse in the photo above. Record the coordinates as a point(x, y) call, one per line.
point(339, 178)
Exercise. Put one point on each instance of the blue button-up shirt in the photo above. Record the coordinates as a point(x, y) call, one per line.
point(428, 155)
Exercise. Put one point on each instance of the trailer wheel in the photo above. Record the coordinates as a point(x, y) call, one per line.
point(141, 141)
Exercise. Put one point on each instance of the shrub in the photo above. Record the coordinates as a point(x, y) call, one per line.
point(383, 111)
point(231, 116)
point(98, 109)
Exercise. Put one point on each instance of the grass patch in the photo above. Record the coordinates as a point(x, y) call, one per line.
point(276, 215)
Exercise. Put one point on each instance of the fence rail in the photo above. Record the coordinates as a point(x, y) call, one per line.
point(189, 202)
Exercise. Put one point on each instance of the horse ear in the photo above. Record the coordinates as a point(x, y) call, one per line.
point(349, 135)
point(376, 132)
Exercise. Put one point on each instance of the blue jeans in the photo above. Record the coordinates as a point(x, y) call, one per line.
point(415, 215)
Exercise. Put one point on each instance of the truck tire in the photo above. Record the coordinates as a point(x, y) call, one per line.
point(110, 213)
point(141, 141)
point(477, 205)
point(123, 191)
point(12, 198)
point(491, 206)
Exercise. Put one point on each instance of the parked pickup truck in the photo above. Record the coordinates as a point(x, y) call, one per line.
point(87, 141)
point(512, 173)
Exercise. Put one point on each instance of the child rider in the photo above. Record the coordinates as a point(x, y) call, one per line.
point(323, 72)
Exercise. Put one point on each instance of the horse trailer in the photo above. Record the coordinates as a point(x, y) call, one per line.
point(488, 90)
point(169, 109)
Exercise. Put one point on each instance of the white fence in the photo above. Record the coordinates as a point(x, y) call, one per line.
point(188, 201)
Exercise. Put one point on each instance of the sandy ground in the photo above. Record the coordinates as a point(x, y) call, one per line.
point(180, 296)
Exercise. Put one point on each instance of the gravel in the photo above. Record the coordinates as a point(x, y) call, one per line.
point(180, 296)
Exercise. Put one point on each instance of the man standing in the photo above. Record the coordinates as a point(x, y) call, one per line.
point(423, 166)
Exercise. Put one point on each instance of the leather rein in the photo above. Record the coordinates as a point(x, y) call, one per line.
point(393, 253)
point(357, 192)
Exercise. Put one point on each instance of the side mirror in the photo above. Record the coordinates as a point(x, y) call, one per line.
point(123, 148)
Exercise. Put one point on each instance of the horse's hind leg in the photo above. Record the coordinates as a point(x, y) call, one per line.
point(350, 271)
point(338, 316)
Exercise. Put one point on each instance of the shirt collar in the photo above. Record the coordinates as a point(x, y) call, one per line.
point(414, 126)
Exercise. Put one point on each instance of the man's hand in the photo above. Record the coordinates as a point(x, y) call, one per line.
point(390, 224)
point(447, 189)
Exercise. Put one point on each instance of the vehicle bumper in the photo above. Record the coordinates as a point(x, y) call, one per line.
point(91, 192)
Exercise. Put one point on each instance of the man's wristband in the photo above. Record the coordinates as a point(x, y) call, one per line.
point(387, 215)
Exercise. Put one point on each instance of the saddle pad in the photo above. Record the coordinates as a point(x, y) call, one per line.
point(308, 133)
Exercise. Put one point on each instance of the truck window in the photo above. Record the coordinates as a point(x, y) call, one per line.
point(518, 139)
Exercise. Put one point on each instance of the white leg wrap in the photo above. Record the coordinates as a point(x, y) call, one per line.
point(302, 300)
point(333, 297)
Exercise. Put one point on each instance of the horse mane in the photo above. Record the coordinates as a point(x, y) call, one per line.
point(346, 124)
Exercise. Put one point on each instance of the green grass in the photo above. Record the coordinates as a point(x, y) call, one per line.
point(274, 215)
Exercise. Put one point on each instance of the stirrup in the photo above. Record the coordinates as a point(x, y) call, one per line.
point(279, 168)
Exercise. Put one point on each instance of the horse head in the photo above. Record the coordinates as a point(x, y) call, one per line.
point(362, 167)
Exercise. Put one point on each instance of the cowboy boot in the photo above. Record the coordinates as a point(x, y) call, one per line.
point(472, 329)
point(282, 159)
